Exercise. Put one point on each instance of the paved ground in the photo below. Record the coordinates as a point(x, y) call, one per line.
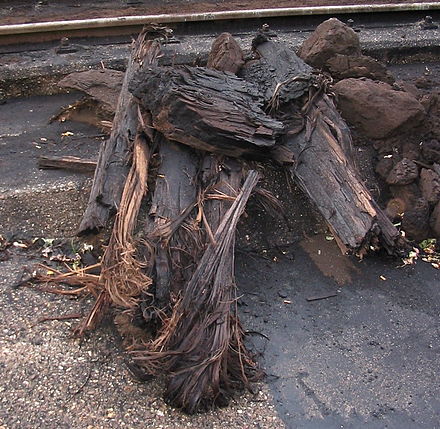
point(367, 357)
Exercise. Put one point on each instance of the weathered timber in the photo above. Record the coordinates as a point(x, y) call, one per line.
point(114, 156)
point(101, 88)
point(102, 85)
point(274, 79)
point(207, 109)
point(73, 163)
point(172, 233)
point(200, 345)
point(323, 166)
point(122, 280)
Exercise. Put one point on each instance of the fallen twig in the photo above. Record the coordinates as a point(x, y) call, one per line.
point(319, 297)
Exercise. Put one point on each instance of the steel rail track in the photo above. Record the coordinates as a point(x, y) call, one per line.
point(126, 21)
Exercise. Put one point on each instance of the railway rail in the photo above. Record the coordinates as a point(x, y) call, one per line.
point(35, 55)
point(130, 24)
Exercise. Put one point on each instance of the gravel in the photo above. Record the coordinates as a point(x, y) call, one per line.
point(51, 379)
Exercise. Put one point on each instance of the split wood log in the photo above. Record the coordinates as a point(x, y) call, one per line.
point(73, 163)
point(114, 156)
point(321, 146)
point(122, 280)
point(207, 109)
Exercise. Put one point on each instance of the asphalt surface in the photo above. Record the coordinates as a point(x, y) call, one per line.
point(366, 357)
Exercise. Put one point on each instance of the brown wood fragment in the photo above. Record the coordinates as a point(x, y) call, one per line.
point(195, 209)
point(67, 163)
point(62, 317)
point(320, 297)
point(200, 343)
point(171, 230)
point(103, 86)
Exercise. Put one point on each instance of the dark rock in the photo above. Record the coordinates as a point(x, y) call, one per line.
point(366, 104)
point(407, 194)
point(395, 208)
point(423, 82)
point(346, 66)
point(330, 38)
point(411, 151)
point(402, 85)
point(384, 166)
point(226, 54)
point(415, 222)
point(37, 341)
point(282, 294)
point(431, 151)
point(403, 173)
point(432, 123)
point(430, 185)
point(435, 221)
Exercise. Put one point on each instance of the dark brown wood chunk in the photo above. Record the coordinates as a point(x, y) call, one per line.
point(115, 153)
point(323, 166)
point(67, 163)
point(208, 110)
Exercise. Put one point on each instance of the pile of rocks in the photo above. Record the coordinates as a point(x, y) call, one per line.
point(400, 119)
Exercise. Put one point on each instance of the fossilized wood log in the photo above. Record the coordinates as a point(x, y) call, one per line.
point(207, 109)
point(323, 166)
point(114, 156)
point(74, 163)
point(200, 345)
